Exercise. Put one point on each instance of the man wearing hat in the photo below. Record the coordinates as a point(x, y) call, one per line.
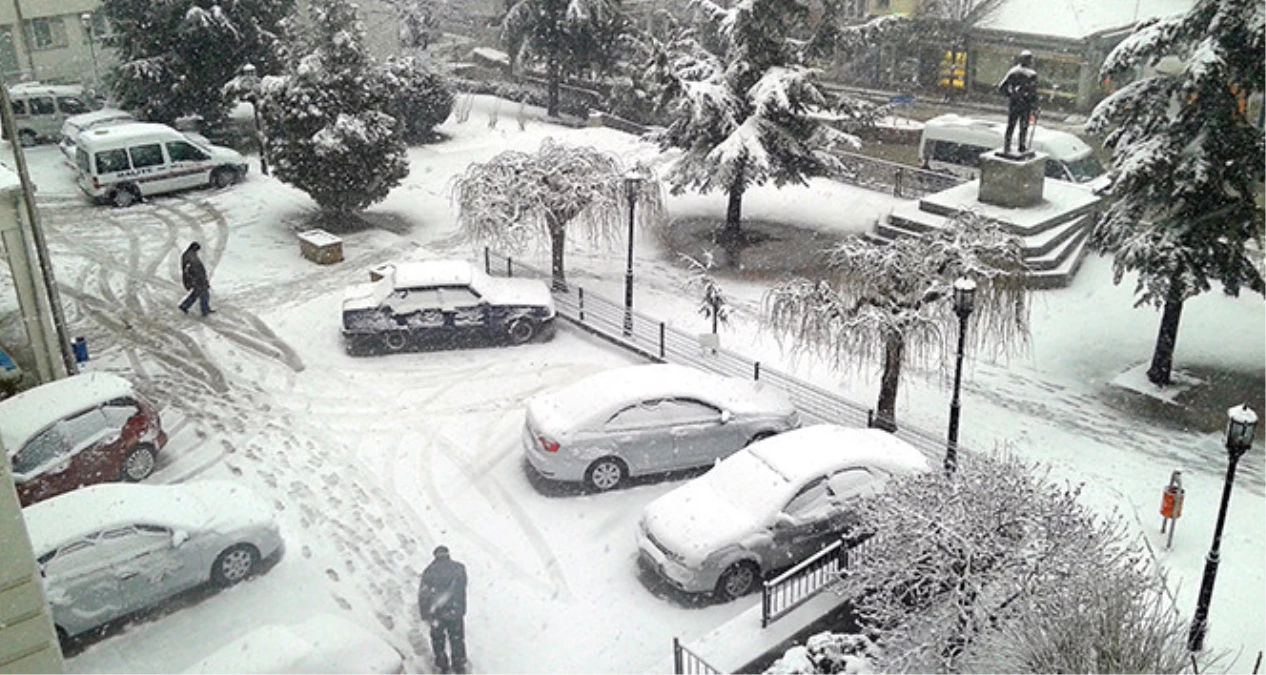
point(1020, 87)
point(442, 602)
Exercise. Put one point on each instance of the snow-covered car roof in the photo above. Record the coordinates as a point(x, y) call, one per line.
point(433, 273)
point(813, 450)
point(324, 643)
point(205, 505)
point(602, 393)
point(24, 415)
point(77, 123)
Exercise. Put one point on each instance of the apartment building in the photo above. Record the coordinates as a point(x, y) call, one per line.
point(53, 41)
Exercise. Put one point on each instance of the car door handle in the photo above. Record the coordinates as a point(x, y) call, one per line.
point(124, 576)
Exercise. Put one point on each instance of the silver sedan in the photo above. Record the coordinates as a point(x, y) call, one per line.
point(106, 551)
point(648, 419)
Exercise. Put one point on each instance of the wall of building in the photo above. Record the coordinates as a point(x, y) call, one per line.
point(55, 44)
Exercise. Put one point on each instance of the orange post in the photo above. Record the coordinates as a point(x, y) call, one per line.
point(1171, 505)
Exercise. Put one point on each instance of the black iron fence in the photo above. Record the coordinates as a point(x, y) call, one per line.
point(686, 662)
point(902, 181)
point(796, 586)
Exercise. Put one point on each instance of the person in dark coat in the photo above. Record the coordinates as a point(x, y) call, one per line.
point(1020, 87)
point(442, 602)
point(193, 274)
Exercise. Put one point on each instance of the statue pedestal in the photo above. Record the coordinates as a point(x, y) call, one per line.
point(1011, 181)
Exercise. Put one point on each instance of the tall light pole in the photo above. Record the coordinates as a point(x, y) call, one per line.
point(1240, 426)
point(85, 21)
point(250, 81)
point(964, 303)
point(632, 186)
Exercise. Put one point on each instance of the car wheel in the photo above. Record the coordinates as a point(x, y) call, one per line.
point(760, 436)
point(138, 464)
point(27, 138)
point(223, 177)
point(605, 474)
point(740, 579)
point(234, 564)
point(521, 331)
point(395, 340)
point(124, 197)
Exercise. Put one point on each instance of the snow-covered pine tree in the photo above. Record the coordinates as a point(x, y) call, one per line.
point(518, 200)
point(998, 569)
point(1187, 162)
point(327, 132)
point(175, 56)
point(893, 303)
point(740, 97)
point(565, 38)
point(420, 97)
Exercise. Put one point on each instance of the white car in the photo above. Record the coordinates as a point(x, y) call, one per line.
point(768, 506)
point(77, 124)
point(648, 419)
point(106, 551)
point(448, 303)
point(323, 643)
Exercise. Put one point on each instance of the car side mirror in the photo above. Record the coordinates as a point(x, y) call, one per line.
point(60, 467)
point(726, 416)
point(178, 538)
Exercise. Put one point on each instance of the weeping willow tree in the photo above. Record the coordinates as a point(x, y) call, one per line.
point(519, 200)
point(893, 303)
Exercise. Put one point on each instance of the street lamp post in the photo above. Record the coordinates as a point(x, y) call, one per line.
point(1240, 426)
point(85, 20)
point(964, 303)
point(250, 80)
point(632, 186)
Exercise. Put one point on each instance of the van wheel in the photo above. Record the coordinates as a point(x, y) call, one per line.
point(222, 178)
point(124, 197)
point(521, 331)
point(27, 138)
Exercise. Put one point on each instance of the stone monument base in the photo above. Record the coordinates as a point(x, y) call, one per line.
point(1010, 181)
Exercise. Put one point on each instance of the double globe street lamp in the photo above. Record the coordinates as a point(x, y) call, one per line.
point(1241, 426)
point(964, 303)
point(633, 180)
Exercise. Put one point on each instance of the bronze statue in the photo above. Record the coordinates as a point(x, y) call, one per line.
point(1020, 87)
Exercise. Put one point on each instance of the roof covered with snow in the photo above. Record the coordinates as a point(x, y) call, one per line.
point(433, 273)
point(24, 415)
point(1076, 19)
point(815, 450)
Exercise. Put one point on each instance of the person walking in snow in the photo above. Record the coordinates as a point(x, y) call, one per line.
point(193, 274)
point(442, 602)
point(1020, 87)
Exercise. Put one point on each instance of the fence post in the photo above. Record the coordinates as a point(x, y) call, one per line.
point(764, 605)
point(756, 370)
point(580, 291)
point(870, 418)
point(896, 186)
point(487, 261)
point(661, 340)
point(509, 266)
point(676, 656)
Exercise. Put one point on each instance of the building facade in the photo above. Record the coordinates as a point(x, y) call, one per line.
point(56, 41)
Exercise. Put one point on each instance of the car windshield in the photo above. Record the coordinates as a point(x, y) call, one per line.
point(748, 483)
point(1085, 169)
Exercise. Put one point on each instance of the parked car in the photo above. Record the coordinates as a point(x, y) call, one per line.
point(648, 419)
point(446, 303)
point(953, 144)
point(768, 506)
point(323, 643)
point(89, 428)
point(77, 124)
point(106, 551)
point(40, 109)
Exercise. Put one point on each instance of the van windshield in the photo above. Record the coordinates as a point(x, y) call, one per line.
point(1085, 169)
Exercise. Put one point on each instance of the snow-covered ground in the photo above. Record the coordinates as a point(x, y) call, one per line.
point(371, 462)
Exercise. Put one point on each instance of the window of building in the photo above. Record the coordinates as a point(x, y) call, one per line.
point(47, 32)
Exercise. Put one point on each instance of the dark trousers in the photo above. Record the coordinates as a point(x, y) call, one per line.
point(1017, 114)
point(203, 298)
point(453, 631)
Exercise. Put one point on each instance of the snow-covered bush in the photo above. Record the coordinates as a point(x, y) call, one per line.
point(420, 98)
point(997, 569)
point(828, 653)
point(327, 131)
point(714, 305)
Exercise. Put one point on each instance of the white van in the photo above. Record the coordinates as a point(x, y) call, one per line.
point(120, 164)
point(953, 144)
point(40, 109)
point(77, 124)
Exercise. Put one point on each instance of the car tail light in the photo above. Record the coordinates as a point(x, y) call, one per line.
point(547, 445)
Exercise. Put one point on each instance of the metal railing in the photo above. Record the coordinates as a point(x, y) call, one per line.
point(798, 585)
point(686, 662)
point(902, 181)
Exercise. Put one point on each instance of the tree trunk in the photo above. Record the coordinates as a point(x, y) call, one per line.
point(886, 409)
point(557, 237)
point(1167, 336)
point(554, 74)
point(731, 235)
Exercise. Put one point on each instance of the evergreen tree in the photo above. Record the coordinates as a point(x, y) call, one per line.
point(1187, 162)
point(740, 98)
point(328, 134)
point(420, 97)
point(567, 38)
point(176, 55)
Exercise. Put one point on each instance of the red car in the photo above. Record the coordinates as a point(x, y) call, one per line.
point(81, 430)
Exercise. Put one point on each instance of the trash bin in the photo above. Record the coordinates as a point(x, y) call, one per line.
point(80, 346)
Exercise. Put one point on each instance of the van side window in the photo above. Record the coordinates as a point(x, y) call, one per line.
point(181, 151)
point(43, 105)
point(957, 153)
point(1055, 170)
point(70, 105)
point(146, 155)
point(109, 161)
point(19, 106)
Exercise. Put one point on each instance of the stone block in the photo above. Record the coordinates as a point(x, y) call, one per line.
point(1012, 182)
point(320, 247)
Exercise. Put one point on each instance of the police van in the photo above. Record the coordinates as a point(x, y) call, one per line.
point(123, 163)
point(39, 110)
point(953, 144)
